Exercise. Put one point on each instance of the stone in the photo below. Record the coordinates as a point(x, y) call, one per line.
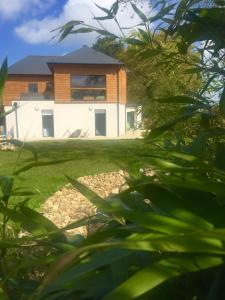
point(115, 191)
point(67, 205)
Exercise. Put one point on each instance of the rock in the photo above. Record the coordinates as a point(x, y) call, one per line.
point(115, 191)
point(124, 187)
point(67, 205)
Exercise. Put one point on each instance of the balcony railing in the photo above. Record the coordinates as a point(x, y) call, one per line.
point(37, 96)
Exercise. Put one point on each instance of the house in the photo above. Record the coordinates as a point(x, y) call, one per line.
point(81, 94)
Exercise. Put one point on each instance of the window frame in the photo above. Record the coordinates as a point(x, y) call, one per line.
point(32, 83)
point(88, 88)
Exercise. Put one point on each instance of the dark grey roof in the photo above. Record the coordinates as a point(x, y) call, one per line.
point(31, 65)
point(38, 65)
point(86, 55)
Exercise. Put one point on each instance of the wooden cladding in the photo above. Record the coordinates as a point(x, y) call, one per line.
point(61, 80)
point(19, 84)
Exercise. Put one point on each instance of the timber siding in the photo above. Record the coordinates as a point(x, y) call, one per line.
point(62, 78)
point(18, 84)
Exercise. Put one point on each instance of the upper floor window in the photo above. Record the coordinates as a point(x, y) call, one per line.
point(33, 87)
point(88, 87)
point(49, 91)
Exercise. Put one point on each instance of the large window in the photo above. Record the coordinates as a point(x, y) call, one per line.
point(88, 87)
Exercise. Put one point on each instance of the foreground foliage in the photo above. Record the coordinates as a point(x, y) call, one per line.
point(164, 226)
point(163, 238)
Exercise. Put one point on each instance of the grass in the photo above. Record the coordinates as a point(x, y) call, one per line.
point(55, 159)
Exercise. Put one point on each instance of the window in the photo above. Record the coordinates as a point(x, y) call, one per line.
point(49, 87)
point(47, 123)
point(49, 91)
point(88, 87)
point(33, 88)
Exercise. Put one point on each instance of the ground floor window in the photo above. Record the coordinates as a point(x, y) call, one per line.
point(100, 122)
point(131, 122)
point(47, 123)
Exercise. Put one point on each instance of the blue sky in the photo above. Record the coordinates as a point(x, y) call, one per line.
point(25, 25)
point(15, 47)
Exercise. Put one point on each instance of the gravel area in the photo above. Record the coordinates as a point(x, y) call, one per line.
point(68, 205)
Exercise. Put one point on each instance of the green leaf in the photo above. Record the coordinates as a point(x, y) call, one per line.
point(43, 224)
point(82, 30)
point(104, 18)
point(87, 221)
point(34, 223)
point(162, 12)
point(177, 99)
point(6, 184)
point(65, 33)
point(219, 160)
point(167, 165)
point(222, 104)
point(157, 222)
point(3, 75)
point(40, 164)
point(107, 11)
point(153, 275)
point(134, 42)
point(196, 182)
point(98, 260)
point(68, 25)
point(92, 196)
point(141, 15)
point(115, 7)
point(169, 203)
point(155, 132)
point(199, 144)
point(3, 296)
point(106, 33)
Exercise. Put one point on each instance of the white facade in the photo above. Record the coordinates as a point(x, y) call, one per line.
point(69, 120)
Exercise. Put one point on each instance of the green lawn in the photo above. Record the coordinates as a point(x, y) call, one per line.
point(59, 158)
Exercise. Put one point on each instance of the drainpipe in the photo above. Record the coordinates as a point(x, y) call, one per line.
point(118, 104)
point(16, 119)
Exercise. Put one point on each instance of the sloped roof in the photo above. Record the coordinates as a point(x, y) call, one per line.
point(39, 65)
point(86, 55)
point(31, 65)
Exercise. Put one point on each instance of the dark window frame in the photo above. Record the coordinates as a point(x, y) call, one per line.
point(34, 84)
point(88, 88)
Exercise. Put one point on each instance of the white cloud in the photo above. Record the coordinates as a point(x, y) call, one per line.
point(38, 31)
point(10, 9)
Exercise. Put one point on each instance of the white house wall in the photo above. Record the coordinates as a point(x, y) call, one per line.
point(68, 118)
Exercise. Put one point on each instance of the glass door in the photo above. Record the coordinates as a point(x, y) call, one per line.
point(100, 122)
point(47, 123)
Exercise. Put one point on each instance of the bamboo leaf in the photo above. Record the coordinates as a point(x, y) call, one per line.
point(155, 132)
point(135, 42)
point(115, 7)
point(3, 75)
point(163, 12)
point(107, 11)
point(82, 30)
point(153, 275)
point(177, 99)
point(222, 104)
point(104, 18)
point(68, 25)
point(141, 15)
